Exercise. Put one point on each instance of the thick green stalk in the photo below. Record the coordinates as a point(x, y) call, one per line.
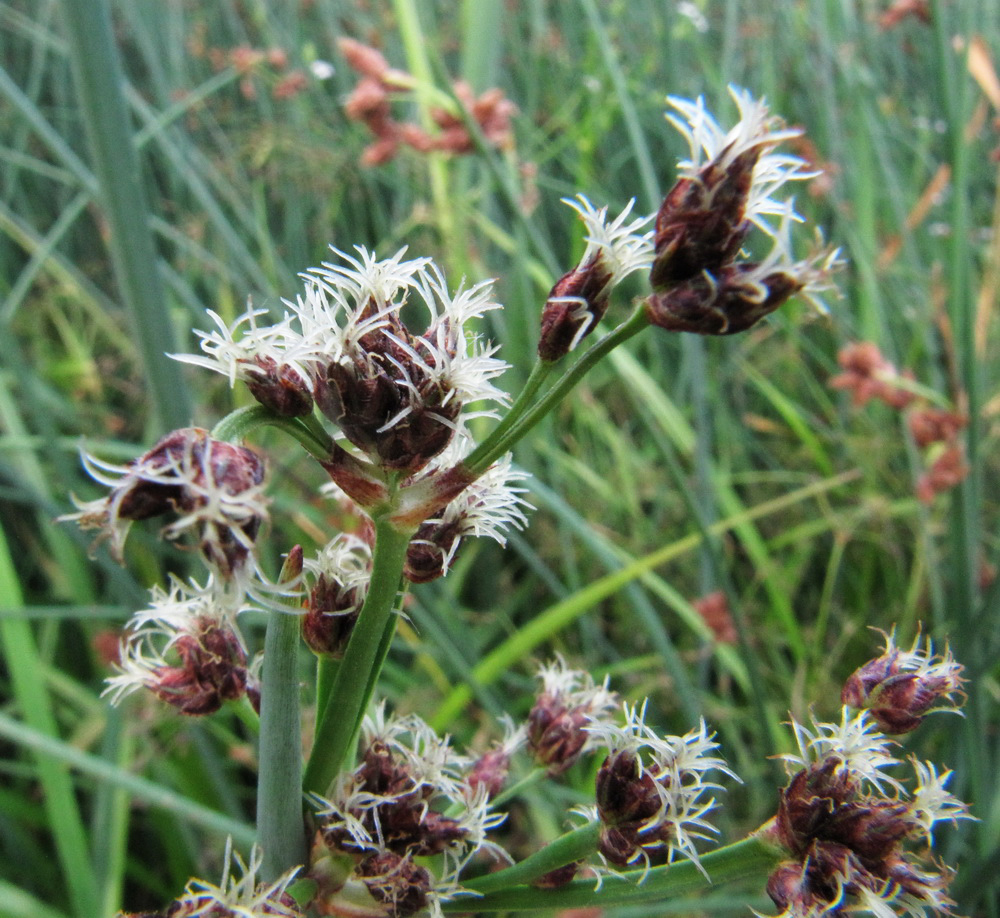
point(495, 446)
point(280, 830)
point(515, 790)
point(326, 674)
point(349, 693)
point(748, 858)
point(99, 81)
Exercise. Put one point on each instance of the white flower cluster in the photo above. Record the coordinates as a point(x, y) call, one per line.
point(343, 304)
point(927, 665)
point(485, 508)
point(425, 803)
point(678, 766)
point(857, 839)
point(855, 742)
point(346, 559)
point(863, 752)
point(187, 471)
point(239, 897)
point(714, 154)
point(624, 246)
point(576, 689)
point(757, 132)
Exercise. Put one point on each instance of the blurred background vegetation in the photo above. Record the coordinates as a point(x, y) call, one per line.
point(733, 459)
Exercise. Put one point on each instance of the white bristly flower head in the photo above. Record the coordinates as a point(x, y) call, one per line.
point(397, 395)
point(564, 713)
point(703, 276)
point(900, 687)
point(239, 897)
point(651, 789)
point(214, 489)
point(580, 298)
point(408, 799)
point(339, 577)
point(737, 294)
point(854, 842)
point(186, 649)
point(860, 749)
point(487, 507)
point(754, 137)
point(930, 802)
point(623, 246)
point(274, 360)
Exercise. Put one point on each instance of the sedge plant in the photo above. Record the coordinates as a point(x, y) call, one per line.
point(376, 370)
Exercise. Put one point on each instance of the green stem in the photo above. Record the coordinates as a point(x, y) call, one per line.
point(539, 373)
point(326, 675)
point(516, 789)
point(244, 710)
point(494, 447)
point(240, 423)
point(573, 846)
point(380, 654)
point(349, 694)
point(280, 829)
point(750, 857)
point(100, 82)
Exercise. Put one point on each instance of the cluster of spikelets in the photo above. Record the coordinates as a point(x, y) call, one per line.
point(399, 400)
point(869, 376)
point(395, 833)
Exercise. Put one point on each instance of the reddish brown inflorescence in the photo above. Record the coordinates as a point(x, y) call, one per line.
point(900, 687)
point(370, 102)
point(214, 488)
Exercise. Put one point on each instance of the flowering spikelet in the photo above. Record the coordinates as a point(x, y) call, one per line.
point(579, 299)
point(900, 687)
point(737, 294)
point(186, 649)
point(852, 846)
point(867, 375)
point(570, 702)
point(340, 573)
point(272, 360)
point(397, 395)
point(486, 507)
point(214, 488)
point(397, 798)
point(243, 897)
point(651, 790)
point(701, 281)
point(490, 769)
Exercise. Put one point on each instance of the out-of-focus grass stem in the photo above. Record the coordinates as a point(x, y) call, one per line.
point(100, 80)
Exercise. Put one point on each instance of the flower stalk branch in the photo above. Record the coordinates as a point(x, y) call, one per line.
point(502, 440)
point(570, 847)
point(750, 857)
point(540, 372)
point(239, 424)
point(338, 723)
